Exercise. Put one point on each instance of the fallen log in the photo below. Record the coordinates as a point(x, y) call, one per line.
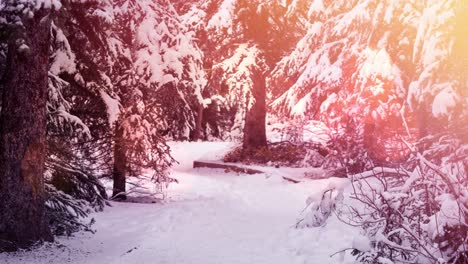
point(291, 179)
point(234, 168)
point(228, 167)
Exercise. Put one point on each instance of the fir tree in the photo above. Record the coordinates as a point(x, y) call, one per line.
point(23, 220)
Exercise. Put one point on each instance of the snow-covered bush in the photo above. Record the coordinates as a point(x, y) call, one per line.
point(319, 209)
point(416, 213)
point(292, 130)
point(346, 148)
point(413, 213)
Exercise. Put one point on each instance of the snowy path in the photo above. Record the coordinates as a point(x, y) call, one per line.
point(211, 218)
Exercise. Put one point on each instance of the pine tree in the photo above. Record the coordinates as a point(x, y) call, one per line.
point(78, 137)
point(159, 87)
point(23, 221)
point(370, 64)
point(242, 41)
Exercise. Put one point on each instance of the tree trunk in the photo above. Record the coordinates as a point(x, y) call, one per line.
point(23, 221)
point(369, 140)
point(120, 165)
point(422, 121)
point(198, 125)
point(255, 116)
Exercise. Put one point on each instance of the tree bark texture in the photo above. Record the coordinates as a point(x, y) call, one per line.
point(255, 118)
point(120, 165)
point(23, 221)
point(198, 126)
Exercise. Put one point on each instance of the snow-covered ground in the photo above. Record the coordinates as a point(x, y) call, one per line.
point(210, 217)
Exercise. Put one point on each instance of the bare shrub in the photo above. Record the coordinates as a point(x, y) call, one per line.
point(413, 213)
point(418, 212)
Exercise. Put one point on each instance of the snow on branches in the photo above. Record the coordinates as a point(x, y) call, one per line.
point(236, 72)
point(406, 34)
point(417, 213)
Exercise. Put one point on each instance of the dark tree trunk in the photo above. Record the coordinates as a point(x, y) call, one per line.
point(369, 140)
point(120, 165)
point(23, 221)
point(198, 125)
point(255, 117)
point(422, 121)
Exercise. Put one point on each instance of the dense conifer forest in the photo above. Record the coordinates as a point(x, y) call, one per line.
point(359, 108)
